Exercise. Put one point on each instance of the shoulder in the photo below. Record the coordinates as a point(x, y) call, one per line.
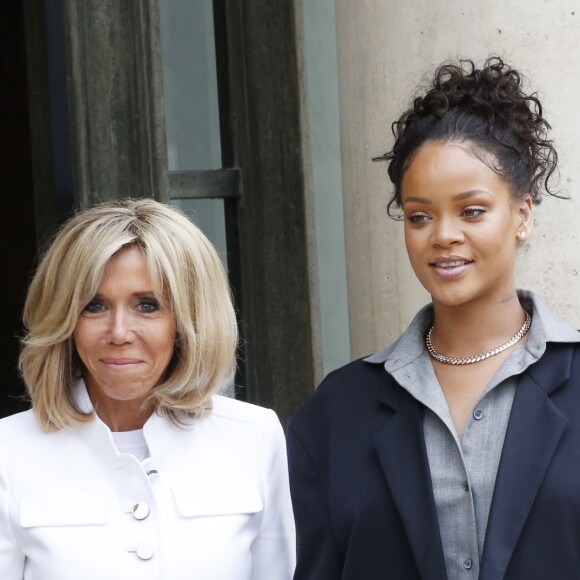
point(357, 379)
point(22, 438)
point(560, 360)
point(353, 372)
point(228, 410)
point(345, 393)
point(23, 422)
point(238, 431)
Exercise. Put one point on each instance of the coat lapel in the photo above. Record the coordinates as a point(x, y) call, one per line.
point(400, 445)
point(533, 433)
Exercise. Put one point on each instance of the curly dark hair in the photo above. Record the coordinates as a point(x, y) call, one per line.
point(486, 108)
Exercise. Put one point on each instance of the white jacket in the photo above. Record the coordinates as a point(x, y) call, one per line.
point(210, 503)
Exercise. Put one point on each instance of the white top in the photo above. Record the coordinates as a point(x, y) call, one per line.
point(132, 442)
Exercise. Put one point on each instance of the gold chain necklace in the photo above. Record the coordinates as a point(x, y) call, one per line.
point(468, 360)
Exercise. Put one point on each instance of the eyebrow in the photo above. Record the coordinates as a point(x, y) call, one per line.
point(138, 294)
point(458, 197)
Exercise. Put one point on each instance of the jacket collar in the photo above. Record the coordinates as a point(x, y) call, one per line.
point(95, 430)
point(535, 428)
point(400, 435)
point(159, 433)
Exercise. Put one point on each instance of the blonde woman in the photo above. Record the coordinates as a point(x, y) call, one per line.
point(130, 465)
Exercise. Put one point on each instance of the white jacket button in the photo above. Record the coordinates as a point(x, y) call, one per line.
point(153, 475)
point(140, 510)
point(145, 551)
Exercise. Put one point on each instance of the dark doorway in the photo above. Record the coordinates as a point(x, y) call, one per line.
point(17, 222)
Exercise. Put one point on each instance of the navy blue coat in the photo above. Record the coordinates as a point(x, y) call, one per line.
point(362, 492)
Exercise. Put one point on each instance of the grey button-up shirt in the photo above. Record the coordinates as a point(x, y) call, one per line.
point(463, 471)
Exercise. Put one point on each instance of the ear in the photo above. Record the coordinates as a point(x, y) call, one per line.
point(525, 217)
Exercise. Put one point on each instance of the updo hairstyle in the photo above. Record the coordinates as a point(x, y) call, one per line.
point(487, 109)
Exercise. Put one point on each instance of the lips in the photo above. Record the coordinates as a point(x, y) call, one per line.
point(452, 264)
point(120, 362)
point(450, 267)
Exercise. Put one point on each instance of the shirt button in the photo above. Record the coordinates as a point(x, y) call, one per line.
point(140, 511)
point(477, 415)
point(466, 486)
point(145, 551)
point(467, 564)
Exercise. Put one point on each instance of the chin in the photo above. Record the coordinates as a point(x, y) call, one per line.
point(451, 298)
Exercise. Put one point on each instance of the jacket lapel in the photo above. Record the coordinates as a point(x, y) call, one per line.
point(533, 433)
point(400, 445)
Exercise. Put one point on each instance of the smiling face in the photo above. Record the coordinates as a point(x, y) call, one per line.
point(461, 225)
point(125, 340)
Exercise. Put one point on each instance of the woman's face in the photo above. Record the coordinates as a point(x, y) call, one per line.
point(461, 225)
point(124, 337)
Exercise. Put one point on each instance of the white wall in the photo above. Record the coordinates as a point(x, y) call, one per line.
point(385, 47)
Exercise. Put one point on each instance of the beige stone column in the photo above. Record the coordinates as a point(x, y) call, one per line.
point(384, 49)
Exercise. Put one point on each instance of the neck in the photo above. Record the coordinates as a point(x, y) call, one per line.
point(120, 415)
point(461, 331)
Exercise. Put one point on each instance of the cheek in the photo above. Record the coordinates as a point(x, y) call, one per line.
point(412, 244)
point(82, 350)
point(164, 342)
point(85, 340)
point(81, 337)
point(503, 235)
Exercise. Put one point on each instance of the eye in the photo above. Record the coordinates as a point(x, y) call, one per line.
point(473, 212)
point(148, 306)
point(417, 217)
point(95, 306)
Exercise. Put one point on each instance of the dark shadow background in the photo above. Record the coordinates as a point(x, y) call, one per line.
point(17, 224)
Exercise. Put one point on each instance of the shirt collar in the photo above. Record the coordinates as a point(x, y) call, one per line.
point(547, 326)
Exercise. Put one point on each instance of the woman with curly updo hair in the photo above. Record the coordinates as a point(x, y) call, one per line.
point(454, 453)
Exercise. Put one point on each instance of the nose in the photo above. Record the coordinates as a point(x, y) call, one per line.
point(120, 329)
point(446, 232)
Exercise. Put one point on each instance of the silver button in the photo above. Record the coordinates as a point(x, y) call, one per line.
point(478, 414)
point(140, 510)
point(467, 564)
point(153, 475)
point(145, 551)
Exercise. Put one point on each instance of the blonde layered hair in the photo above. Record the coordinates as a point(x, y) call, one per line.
point(188, 277)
